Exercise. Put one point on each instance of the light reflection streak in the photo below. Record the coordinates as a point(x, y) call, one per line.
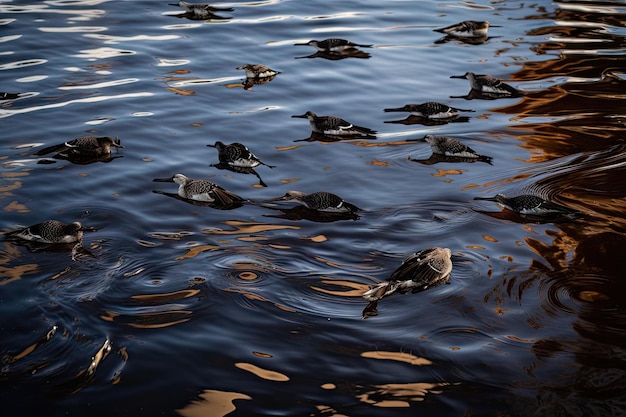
point(101, 53)
point(400, 395)
point(212, 403)
point(396, 356)
point(100, 85)
point(186, 83)
point(262, 373)
point(74, 29)
point(36, 8)
point(108, 39)
point(22, 64)
point(9, 38)
point(12, 112)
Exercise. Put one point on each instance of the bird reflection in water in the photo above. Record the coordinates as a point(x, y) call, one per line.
point(427, 121)
point(51, 236)
point(449, 149)
point(251, 82)
point(336, 49)
point(528, 208)
point(201, 11)
point(202, 193)
point(82, 150)
point(236, 157)
point(305, 213)
point(320, 137)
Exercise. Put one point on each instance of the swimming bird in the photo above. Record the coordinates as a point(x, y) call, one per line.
point(489, 84)
point(237, 155)
point(200, 11)
point(258, 70)
point(84, 146)
point(320, 201)
point(420, 271)
point(8, 96)
point(449, 146)
point(335, 45)
point(430, 110)
point(334, 126)
point(530, 205)
point(50, 231)
point(201, 190)
point(467, 29)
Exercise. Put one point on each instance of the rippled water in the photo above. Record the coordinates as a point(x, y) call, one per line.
point(188, 310)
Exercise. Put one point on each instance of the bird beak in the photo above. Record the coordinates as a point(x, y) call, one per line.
point(301, 116)
point(395, 109)
point(88, 229)
point(168, 179)
point(495, 26)
point(458, 76)
point(211, 146)
point(485, 198)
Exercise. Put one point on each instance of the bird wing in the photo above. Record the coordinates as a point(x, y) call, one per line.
point(421, 270)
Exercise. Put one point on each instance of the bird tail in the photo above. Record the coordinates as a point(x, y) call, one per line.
point(351, 207)
point(226, 198)
point(50, 149)
point(379, 291)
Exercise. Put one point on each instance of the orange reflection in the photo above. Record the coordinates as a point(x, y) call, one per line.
point(149, 320)
point(247, 228)
point(212, 403)
point(357, 289)
point(396, 356)
point(262, 373)
point(258, 297)
point(195, 251)
point(400, 395)
point(446, 172)
point(10, 274)
point(165, 298)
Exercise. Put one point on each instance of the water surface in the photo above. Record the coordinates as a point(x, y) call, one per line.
point(189, 310)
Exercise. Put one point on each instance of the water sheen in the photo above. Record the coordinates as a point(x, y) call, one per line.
point(186, 310)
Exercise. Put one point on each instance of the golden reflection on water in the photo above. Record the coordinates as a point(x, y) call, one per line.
point(196, 250)
point(212, 403)
point(400, 395)
point(355, 289)
point(247, 228)
point(396, 356)
point(262, 373)
point(256, 297)
point(149, 320)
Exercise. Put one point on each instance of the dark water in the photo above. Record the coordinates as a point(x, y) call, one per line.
point(193, 311)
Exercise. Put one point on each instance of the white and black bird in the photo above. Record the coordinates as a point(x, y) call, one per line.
point(320, 201)
point(333, 45)
point(527, 204)
point(452, 147)
point(84, 146)
point(258, 71)
point(488, 84)
point(200, 11)
point(202, 190)
point(420, 271)
point(467, 29)
point(50, 231)
point(335, 126)
point(237, 155)
point(430, 110)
